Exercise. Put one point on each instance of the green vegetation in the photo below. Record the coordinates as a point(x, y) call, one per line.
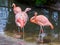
point(40, 2)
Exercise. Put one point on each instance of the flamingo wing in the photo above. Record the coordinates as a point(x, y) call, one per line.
point(25, 18)
point(42, 20)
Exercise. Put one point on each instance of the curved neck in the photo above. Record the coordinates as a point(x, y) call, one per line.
point(13, 5)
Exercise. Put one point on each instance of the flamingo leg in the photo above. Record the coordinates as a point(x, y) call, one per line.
point(23, 32)
point(22, 42)
point(40, 34)
point(19, 29)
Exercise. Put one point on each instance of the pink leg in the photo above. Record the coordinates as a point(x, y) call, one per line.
point(41, 31)
point(40, 34)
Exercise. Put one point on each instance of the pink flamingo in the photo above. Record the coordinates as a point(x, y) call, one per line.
point(21, 17)
point(41, 20)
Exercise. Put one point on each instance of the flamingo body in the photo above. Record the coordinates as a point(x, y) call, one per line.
point(21, 20)
point(41, 20)
point(21, 17)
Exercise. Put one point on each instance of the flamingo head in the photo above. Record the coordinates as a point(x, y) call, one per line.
point(33, 19)
point(13, 5)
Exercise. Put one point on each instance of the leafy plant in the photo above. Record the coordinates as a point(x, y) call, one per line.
point(40, 2)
